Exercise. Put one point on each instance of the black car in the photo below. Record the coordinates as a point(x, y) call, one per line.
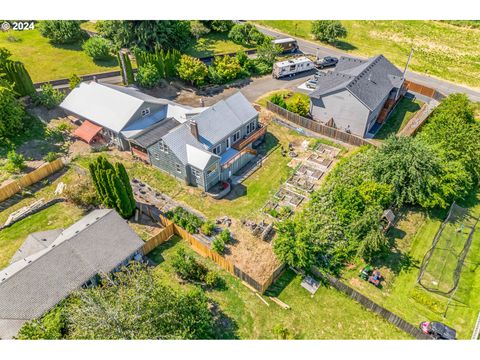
point(326, 62)
point(438, 330)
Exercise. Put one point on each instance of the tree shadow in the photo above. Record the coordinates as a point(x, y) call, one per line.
point(106, 62)
point(156, 255)
point(74, 46)
point(281, 283)
point(343, 45)
point(225, 328)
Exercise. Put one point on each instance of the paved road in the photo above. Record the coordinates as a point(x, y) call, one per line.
point(445, 87)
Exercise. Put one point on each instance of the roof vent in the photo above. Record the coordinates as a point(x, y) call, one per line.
point(43, 239)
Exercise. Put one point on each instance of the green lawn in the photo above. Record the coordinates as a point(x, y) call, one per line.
point(214, 44)
point(443, 50)
point(57, 216)
point(327, 315)
point(89, 26)
point(400, 117)
point(45, 61)
point(412, 238)
point(244, 201)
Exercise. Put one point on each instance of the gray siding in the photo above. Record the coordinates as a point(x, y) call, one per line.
point(154, 108)
point(167, 162)
point(236, 166)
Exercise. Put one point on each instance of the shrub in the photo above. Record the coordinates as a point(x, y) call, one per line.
point(51, 326)
point(12, 113)
point(51, 156)
point(225, 69)
point(198, 29)
point(281, 332)
point(61, 31)
point(192, 69)
point(15, 162)
point(299, 105)
point(148, 76)
point(328, 30)
point(225, 236)
point(207, 228)
point(218, 245)
point(81, 192)
point(279, 100)
point(74, 81)
point(246, 34)
point(188, 268)
point(49, 97)
point(97, 48)
point(212, 279)
point(184, 219)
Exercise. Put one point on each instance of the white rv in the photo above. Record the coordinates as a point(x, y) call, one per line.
point(292, 67)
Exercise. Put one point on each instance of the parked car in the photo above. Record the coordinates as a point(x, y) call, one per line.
point(327, 61)
point(312, 83)
point(438, 330)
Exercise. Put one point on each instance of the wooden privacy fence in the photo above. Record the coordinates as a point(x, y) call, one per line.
point(318, 127)
point(204, 250)
point(30, 178)
point(424, 90)
point(372, 306)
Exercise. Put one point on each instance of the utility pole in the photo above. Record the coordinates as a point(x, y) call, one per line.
point(404, 72)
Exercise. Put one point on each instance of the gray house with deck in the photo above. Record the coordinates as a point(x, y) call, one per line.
point(206, 148)
point(357, 94)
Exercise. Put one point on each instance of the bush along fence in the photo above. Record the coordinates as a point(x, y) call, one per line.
point(317, 127)
point(31, 178)
point(372, 306)
point(170, 229)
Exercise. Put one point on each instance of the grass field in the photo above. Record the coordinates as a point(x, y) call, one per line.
point(443, 260)
point(56, 216)
point(412, 238)
point(400, 117)
point(443, 50)
point(214, 44)
point(45, 61)
point(327, 315)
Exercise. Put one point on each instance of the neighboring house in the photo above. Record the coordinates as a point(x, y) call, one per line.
point(205, 148)
point(116, 112)
point(357, 94)
point(52, 264)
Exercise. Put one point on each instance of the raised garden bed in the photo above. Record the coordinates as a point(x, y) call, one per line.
point(288, 197)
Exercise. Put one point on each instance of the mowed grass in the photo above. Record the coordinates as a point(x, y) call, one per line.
point(400, 117)
point(327, 315)
point(45, 61)
point(57, 216)
point(412, 238)
point(214, 44)
point(441, 49)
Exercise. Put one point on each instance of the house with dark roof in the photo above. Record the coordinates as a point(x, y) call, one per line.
point(117, 113)
point(52, 264)
point(357, 94)
point(206, 148)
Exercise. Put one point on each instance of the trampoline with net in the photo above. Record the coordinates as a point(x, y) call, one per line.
point(442, 264)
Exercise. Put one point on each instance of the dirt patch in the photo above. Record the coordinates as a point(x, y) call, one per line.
point(251, 254)
point(46, 115)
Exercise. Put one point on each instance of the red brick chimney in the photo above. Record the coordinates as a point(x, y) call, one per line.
point(194, 128)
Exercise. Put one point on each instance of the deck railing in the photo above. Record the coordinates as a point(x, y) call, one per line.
point(241, 144)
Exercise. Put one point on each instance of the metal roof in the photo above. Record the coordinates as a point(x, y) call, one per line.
point(154, 133)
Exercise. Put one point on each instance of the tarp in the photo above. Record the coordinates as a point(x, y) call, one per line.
point(87, 131)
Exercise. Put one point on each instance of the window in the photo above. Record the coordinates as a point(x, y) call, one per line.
point(211, 170)
point(163, 147)
point(197, 173)
point(236, 136)
point(216, 150)
point(145, 112)
point(178, 168)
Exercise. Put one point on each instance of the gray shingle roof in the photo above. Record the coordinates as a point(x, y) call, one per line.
point(223, 118)
point(35, 242)
point(96, 244)
point(369, 80)
point(154, 133)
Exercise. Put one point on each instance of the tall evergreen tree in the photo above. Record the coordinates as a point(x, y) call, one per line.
point(113, 186)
